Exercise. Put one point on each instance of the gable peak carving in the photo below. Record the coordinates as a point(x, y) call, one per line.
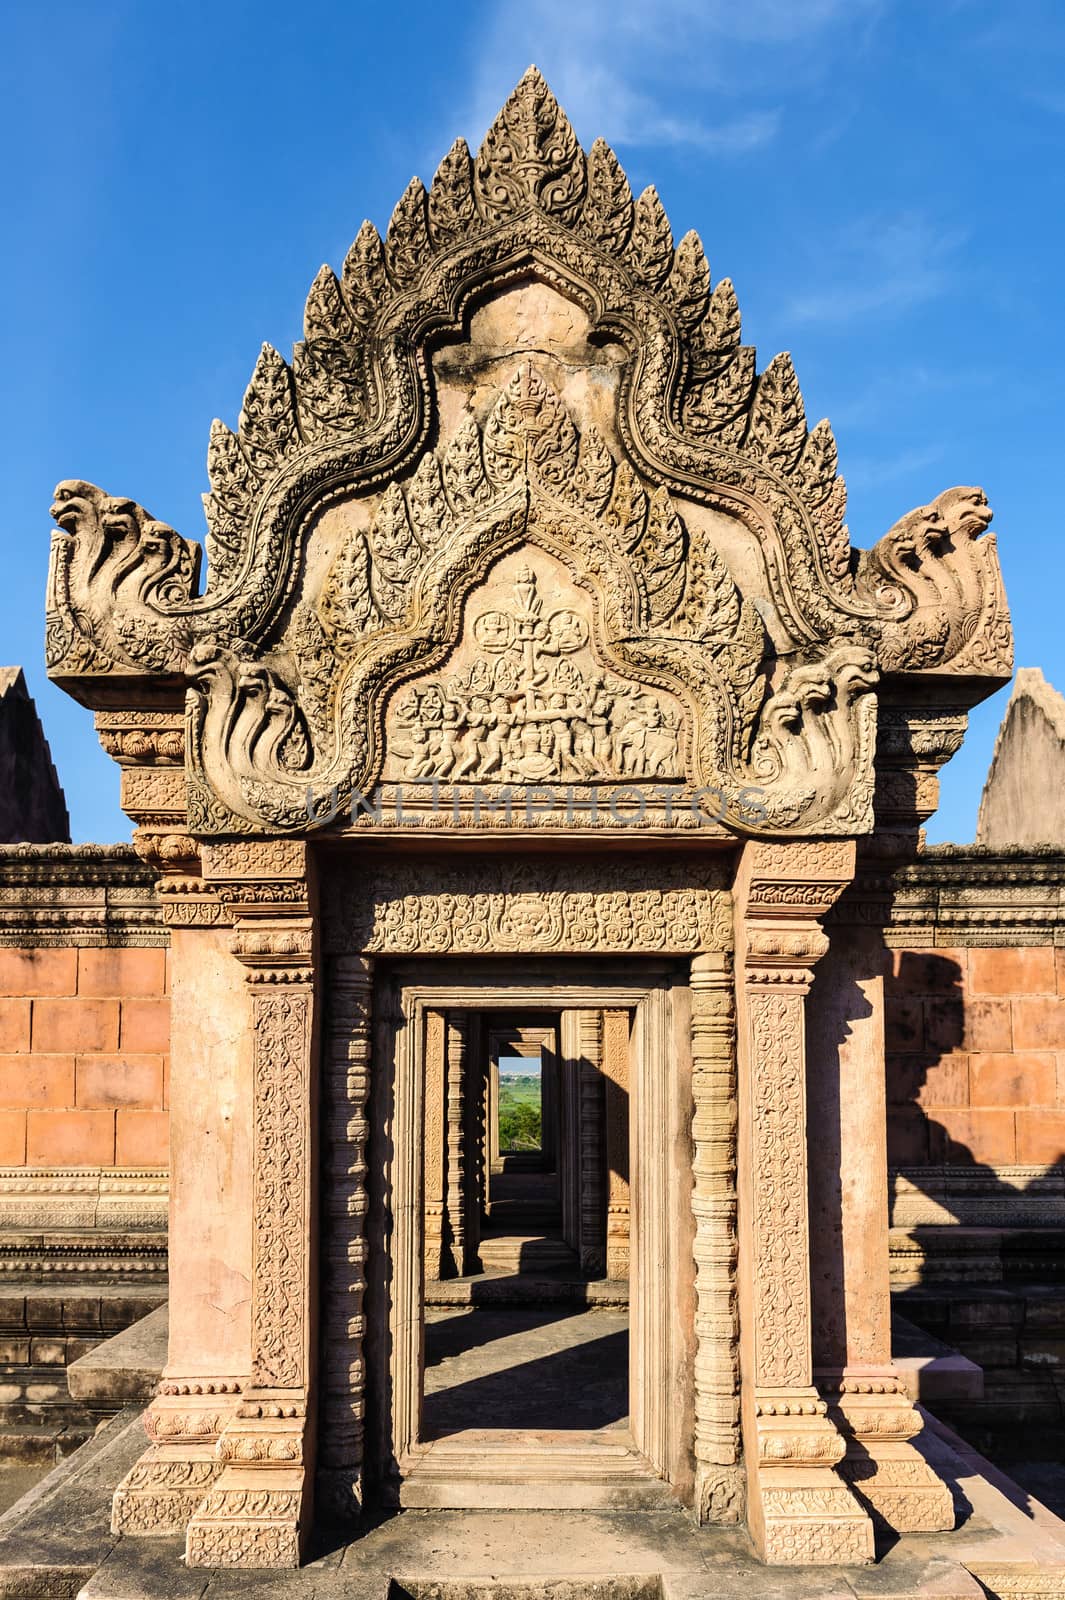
point(292, 630)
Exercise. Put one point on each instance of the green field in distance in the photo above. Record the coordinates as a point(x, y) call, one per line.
point(520, 1115)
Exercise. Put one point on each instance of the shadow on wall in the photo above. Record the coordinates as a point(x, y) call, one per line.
point(976, 1148)
point(976, 1151)
point(975, 1083)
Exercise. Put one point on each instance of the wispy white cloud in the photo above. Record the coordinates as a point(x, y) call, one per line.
point(597, 94)
point(878, 265)
point(704, 74)
point(873, 472)
point(887, 392)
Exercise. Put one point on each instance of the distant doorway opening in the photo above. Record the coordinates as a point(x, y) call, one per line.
point(513, 1130)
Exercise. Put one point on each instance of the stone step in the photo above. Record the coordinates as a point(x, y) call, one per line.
point(526, 1206)
point(500, 1470)
point(522, 1219)
point(125, 1367)
point(527, 1289)
point(932, 1371)
point(525, 1252)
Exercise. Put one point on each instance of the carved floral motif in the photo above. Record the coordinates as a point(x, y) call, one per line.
point(530, 907)
point(281, 1062)
point(159, 1494)
point(782, 1328)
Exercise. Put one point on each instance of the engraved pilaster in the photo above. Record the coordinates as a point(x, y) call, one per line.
point(435, 1023)
point(345, 1089)
point(849, 1201)
point(719, 1486)
point(616, 1096)
point(258, 1512)
point(457, 1025)
point(587, 1044)
point(799, 1509)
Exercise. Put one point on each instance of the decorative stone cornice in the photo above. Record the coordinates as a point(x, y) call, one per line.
point(88, 894)
point(536, 906)
point(973, 895)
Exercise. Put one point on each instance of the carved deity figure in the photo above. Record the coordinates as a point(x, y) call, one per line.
point(528, 712)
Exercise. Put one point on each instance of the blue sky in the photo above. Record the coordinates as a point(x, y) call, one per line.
point(883, 182)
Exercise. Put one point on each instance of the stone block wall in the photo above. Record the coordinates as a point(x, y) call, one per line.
point(975, 1022)
point(84, 1040)
point(975, 1015)
point(84, 1050)
point(43, 1328)
point(976, 1056)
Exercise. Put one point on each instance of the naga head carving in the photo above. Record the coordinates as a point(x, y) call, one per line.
point(114, 567)
point(964, 512)
point(938, 585)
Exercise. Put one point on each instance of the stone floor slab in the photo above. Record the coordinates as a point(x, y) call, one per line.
point(56, 1545)
point(509, 1367)
point(534, 1556)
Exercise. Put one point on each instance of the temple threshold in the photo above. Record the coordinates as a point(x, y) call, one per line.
point(1007, 1545)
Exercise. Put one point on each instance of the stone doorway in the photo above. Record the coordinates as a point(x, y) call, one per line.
point(527, 1157)
point(526, 1170)
point(513, 1356)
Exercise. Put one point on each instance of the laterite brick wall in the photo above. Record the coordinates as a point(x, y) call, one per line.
point(976, 1056)
point(84, 1043)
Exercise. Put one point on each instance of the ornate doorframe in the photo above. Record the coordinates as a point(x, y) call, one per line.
point(403, 908)
point(411, 993)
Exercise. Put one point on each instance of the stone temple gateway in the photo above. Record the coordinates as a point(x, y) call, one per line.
point(535, 705)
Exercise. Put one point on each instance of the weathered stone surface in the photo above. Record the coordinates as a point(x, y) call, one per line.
point(1023, 802)
point(620, 492)
point(72, 896)
point(125, 1367)
point(32, 806)
point(55, 1538)
point(1015, 1545)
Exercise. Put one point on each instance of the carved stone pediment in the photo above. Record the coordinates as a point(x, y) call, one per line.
point(524, 698)
point(524, 376)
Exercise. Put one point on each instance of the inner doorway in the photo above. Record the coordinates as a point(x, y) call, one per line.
point(526, 1315)
point(523, 1329)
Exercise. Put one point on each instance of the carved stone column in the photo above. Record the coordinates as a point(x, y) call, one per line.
point(719, 1486)
point(457, 1026)
point(616, 1095)
point(433, 1152)
point(258, 1514)
point(475, 1131)
point(799, 1509)
point(345, 1090)
point(582, 1042)
point(849, 1203)
point(209, 1262)
point(849, 1181)
point(206, 1365)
